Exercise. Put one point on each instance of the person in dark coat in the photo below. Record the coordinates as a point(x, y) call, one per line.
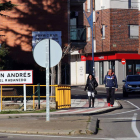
point(90, 86)
point(111, 85)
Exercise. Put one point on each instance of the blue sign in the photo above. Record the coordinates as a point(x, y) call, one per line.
point(37, 36)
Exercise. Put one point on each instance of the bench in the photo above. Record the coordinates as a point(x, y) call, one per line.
point(9, 92)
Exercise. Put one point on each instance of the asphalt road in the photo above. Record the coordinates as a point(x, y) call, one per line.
point(119, 124)
point(122, 124)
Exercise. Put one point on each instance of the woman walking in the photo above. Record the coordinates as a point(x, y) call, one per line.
point(91, 85)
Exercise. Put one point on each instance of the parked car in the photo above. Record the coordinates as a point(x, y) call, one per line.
point(131, 85)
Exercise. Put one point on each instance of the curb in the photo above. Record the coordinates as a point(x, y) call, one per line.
point(93, 125)
point(51, 132)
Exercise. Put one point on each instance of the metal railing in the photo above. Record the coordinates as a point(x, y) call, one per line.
point(34, 93)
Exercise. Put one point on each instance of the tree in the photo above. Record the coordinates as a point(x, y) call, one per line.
point(3, 50)
point(6, 6)
point(3, 56)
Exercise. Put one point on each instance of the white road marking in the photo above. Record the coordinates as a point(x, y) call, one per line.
point(134, 127)
point(119, 118)
point(132, 104)
point(122, 112)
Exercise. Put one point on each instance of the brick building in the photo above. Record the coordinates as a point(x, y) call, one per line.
point(116, 36)
point(17, 28)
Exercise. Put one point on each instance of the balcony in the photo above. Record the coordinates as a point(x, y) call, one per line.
point(78, 37)
point(78, 34)
point(77, 2)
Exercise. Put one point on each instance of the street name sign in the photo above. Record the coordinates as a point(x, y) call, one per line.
point(16, 77)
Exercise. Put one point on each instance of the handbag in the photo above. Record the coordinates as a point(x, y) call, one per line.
point(95, 91)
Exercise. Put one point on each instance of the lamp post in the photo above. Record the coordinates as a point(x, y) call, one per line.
point(90, 21)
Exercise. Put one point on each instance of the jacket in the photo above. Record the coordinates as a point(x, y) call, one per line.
point(110, 81)
point(91, 84)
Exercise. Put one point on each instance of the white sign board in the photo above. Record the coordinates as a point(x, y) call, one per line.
point(40, 35)
point(16, 77)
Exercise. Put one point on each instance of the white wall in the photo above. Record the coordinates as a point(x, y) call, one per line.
point(102, 4)
point(96, 64)
point(81, 73)
point(119, 71)
point(120, 4)
point(78, 70)
point(116, 4)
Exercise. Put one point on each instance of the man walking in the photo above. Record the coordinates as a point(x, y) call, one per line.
point(110, 82)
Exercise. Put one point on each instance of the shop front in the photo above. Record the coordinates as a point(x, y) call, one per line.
point(80, 68)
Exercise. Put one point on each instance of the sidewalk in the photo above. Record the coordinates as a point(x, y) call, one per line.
point(71, 121)
point(78, 107)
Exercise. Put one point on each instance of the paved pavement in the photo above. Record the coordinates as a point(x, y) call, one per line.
point(64, 122)
point(71, 121)
point(80, 107)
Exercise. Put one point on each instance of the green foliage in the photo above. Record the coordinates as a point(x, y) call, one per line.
point(6, 6)
point(3, 56)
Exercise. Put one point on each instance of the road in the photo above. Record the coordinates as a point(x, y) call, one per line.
point(123, 124)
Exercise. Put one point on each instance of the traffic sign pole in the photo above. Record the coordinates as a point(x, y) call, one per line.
point(123, 61)
point(47, 53)
point(47, 80)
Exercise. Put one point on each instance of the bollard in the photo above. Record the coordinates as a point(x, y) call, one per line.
point(38, 91)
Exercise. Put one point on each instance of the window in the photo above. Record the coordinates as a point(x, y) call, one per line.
point(83, 6)
point(88, 6)
point(103, 31)
point(88, 33)
point(134, 31)
point(133, 4)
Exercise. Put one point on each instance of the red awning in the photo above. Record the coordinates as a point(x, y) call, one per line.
point(117, 56)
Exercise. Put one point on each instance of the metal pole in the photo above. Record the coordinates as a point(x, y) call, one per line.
point(24, 91)
point(38, 88)
point(92, 36)
point(47, 80)
point(124, 72)
point(0, 98)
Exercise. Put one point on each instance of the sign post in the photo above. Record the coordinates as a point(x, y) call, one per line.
point(12, 77)
point(47, 79)
point(24, 91)
point(47, 53)
point(123, 61)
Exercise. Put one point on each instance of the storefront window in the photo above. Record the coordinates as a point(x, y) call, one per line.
point(132, 67)
point(138, 69)
point(112, 65)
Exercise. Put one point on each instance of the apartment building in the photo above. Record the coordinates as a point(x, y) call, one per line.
point(29, 22)
point(116, 36)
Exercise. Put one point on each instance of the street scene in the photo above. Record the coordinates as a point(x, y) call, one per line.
point(69, 69)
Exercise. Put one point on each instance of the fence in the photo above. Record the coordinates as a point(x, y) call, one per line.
point(12, 97)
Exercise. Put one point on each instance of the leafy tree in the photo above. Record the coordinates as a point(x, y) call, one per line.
point(3, 50)
point(3, 56)
point(6, 6)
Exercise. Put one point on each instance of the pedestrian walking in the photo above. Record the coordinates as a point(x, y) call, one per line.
point(90, 86)
point(111, 85)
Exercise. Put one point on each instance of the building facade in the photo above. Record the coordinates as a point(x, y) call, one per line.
point(116, 36)
point(28, 16)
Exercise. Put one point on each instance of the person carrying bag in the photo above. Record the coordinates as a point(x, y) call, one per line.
point(91, 85)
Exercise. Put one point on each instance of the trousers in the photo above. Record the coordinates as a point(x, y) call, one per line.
point(91, 97)
point(110, 95)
